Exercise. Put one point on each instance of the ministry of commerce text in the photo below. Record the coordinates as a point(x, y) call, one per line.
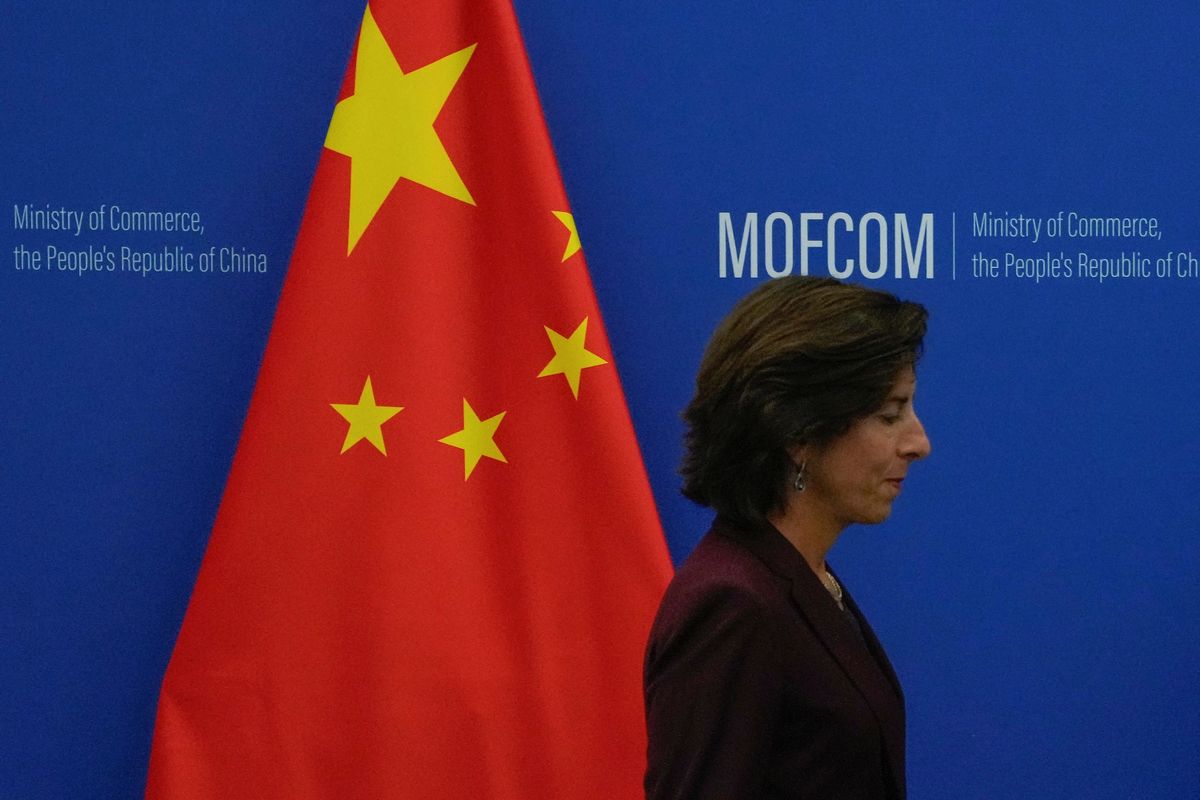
point(105, 217)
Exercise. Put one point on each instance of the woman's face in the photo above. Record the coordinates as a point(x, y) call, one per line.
point(856, 477)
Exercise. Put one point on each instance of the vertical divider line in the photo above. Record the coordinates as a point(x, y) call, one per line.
point(953, 245)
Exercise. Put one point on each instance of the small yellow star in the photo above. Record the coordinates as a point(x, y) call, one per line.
point(573, 243)
point(386, 127)
point(570, 356)
point(476, 439)
point(366, 419)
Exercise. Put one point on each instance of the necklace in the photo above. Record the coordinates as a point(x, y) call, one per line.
point(833, 587)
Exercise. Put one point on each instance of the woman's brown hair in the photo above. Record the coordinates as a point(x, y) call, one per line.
point(798, 360)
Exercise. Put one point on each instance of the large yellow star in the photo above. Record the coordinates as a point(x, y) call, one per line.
point(366, 419)
point(573, 243)
point(570, 356)
point(386, 127)
point(476, 439)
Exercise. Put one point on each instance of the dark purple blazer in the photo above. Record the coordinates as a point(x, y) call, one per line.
point(758, 686)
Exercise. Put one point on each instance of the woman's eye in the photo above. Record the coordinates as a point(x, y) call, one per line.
point(890, 419)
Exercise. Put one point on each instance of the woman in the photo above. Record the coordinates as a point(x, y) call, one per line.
point(762, 678)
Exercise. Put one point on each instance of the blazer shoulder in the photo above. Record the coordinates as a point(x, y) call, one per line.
point(723, 560)
point(720, 584)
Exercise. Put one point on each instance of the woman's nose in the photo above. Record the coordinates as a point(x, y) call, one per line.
point(916, 445)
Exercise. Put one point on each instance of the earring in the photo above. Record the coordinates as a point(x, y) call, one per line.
point(799, 484)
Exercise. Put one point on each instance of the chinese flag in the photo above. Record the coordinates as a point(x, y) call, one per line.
point(437, 555)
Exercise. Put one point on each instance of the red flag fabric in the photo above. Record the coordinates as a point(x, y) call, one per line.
point(437, 556)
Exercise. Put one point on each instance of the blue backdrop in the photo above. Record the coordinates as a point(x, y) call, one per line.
point(1036, 587)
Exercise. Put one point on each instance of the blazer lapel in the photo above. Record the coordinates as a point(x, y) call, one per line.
point(872, 641)
point(889, 711)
